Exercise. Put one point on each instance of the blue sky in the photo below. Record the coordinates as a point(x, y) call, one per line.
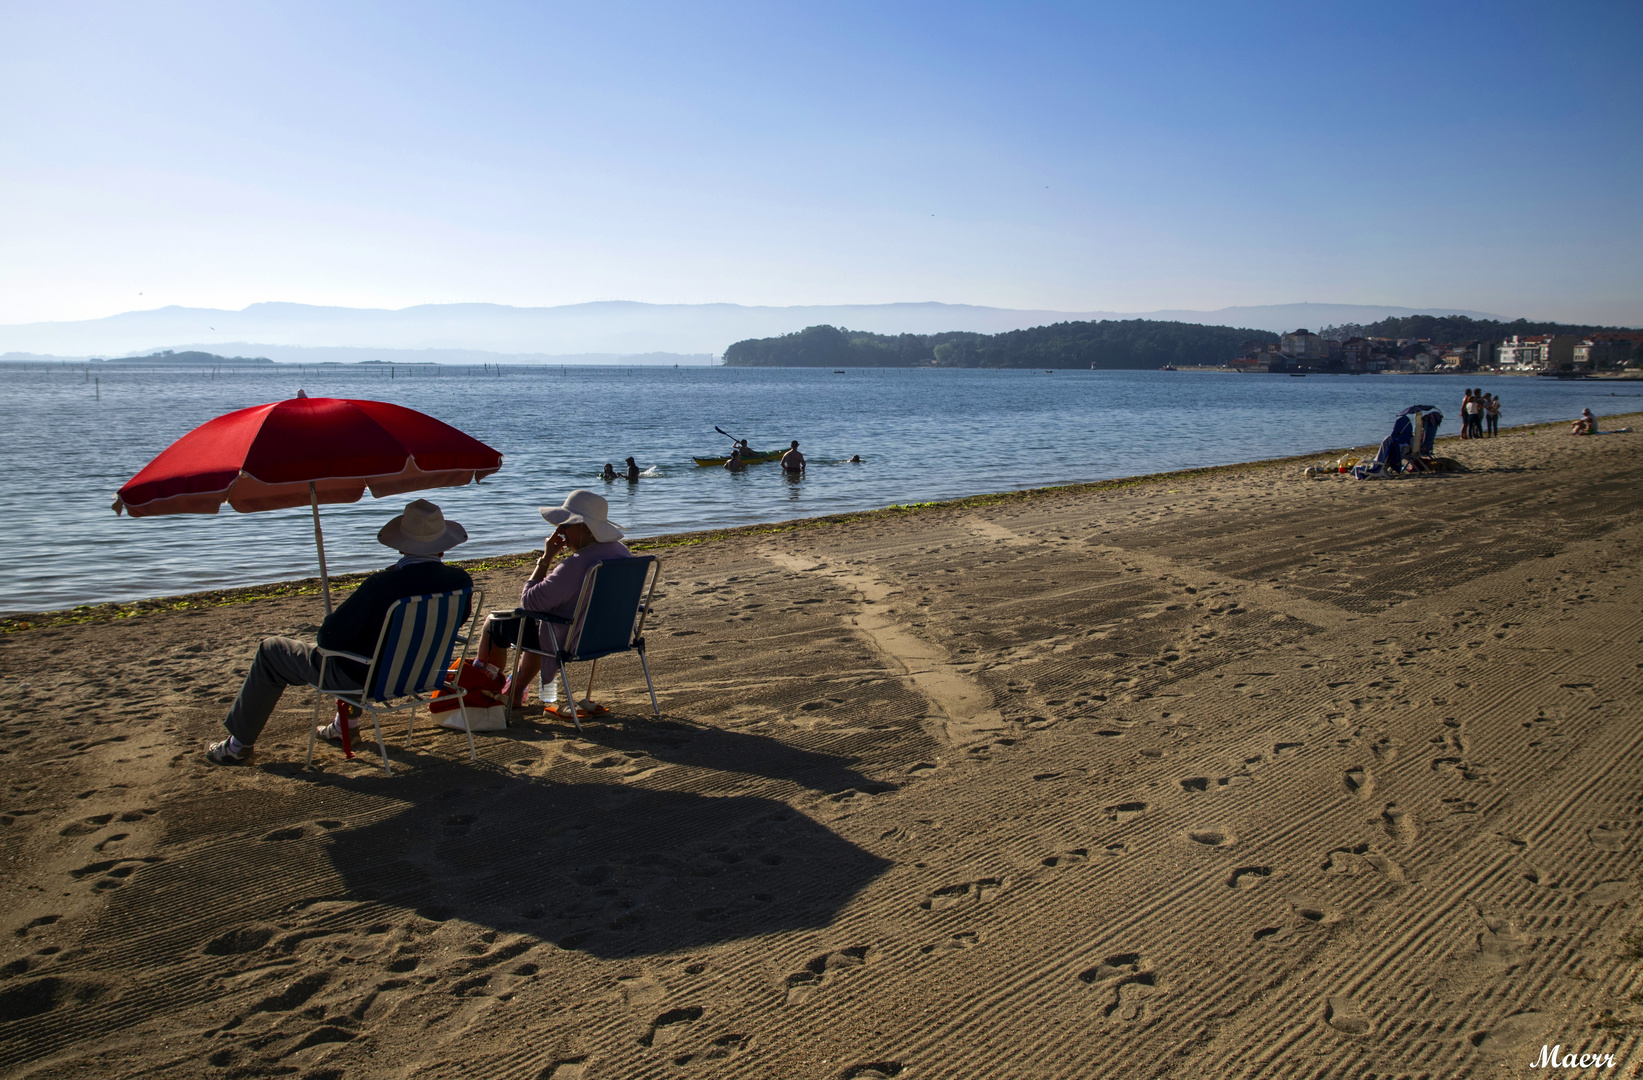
point(1077, 157)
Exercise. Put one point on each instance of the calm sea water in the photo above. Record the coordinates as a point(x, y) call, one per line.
point(922, 434)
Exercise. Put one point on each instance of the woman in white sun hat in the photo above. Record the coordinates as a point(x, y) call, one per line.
point(582, 524)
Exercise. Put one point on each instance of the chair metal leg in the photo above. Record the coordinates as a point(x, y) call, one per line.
point(513, 680)
point(654, 708)
point(312, 728)
point(382, 747)
point(575, 709)
point(467, 726)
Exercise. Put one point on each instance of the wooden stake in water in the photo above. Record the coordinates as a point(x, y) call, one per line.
point(99, 387)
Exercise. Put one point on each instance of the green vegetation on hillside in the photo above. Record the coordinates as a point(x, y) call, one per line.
point(1455, 329)
point(1128, 343)
point(166, 357)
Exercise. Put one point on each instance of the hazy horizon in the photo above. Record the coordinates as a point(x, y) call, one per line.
point(489, 333)
point(1046, 157)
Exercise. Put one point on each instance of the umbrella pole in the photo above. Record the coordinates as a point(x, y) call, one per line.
point(319, 542)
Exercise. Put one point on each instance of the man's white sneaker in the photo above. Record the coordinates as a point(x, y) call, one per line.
point(222, 753)
point(331, 733)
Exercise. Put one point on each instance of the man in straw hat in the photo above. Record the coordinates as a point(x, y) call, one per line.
point(582, 524)
point(422, 536)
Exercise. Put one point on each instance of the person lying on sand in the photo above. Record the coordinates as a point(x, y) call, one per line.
point(793, 461)
point(582, 524)
point(735, 462)
point(422, 536)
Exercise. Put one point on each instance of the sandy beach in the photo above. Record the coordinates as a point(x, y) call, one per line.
point(1229, 774)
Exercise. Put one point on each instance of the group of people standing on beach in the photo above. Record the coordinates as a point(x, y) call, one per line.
point(1477, 411)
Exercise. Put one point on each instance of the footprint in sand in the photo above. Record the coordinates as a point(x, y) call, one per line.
point(1341, 1014)
point(1607, 893)
point(1124, 982)
point(1307, 916)
point(1361, 859)
point(1400, 824)
point(640, 991)
point(1212, 836)
point(1499, 942)
point(86, 826)
point(670, 1026)
point(1512, 1035)
point(1123, 812)
point(873, 1070)
point(1247, 877)
point(39, 996)
point(801, 984)
point(44, 920)
point(722, 1047)
point(114, 871)
point(571, 1068)
point(966, 892)
point(1360, 781)
point(965, 939)
point(1068, 858)
point(1607, 838)
point(241, 939)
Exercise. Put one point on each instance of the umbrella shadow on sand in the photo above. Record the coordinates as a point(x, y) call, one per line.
point(722, 751)
point(604, 868)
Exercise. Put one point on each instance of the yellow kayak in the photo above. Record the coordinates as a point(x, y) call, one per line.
point(752, 457)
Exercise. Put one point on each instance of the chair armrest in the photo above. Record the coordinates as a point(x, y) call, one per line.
point(345, 655)
point(544, 616)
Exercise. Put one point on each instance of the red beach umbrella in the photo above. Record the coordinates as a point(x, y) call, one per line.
point(305, 451)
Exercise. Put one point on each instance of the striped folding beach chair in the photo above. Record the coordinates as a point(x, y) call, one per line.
point(609, 618)
point(412, 656)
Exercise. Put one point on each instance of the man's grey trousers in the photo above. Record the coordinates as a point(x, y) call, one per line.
point(280, 662)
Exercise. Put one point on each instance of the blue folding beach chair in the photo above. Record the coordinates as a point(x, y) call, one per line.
point(412, 656)
point(609, 618)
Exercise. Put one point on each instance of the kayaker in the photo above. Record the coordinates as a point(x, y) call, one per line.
point(736, 464)
point(633, 471)
point(793, 461)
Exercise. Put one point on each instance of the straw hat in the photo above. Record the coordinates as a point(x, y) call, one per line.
point(584, 507)
point(422, 530)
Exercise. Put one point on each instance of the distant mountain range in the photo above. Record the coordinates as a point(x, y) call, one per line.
point(604, 332)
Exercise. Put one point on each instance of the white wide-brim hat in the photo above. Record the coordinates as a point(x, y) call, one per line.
point(422, 530)
point(584, 507)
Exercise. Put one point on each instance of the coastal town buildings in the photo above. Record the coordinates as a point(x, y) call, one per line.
point(1608, 350)
point(1304, 345)
point(1536, 352)
point(1303, 351)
